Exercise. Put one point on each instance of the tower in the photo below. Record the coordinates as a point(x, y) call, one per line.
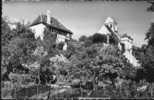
point(109, 28)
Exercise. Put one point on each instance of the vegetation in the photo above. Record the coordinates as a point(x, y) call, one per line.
point(89, 67)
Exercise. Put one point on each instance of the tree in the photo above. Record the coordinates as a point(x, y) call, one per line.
point(148, 59)
point(98, 38)
point(83, 38)
point(18, 46)
point(6, 32)
point(151, 8)
point(150, 35)
point(145, 55)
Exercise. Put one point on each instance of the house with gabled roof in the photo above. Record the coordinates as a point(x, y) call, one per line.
point(45, 21)
point(51, 23)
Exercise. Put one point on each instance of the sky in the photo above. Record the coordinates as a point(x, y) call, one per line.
point(86, 18)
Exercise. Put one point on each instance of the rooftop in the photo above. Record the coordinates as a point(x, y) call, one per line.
point(54, 23)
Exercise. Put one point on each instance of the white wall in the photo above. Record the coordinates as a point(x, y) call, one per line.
point(128, 52)
point(38, 31)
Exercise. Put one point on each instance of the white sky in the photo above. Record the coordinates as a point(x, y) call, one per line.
point(85, 18)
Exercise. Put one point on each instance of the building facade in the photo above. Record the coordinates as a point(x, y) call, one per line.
point(46, 22)
point(123, 42)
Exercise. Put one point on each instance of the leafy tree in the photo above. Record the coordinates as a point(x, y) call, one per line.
point(6, 32)
point(151, 8)
point(145, 55)
point(148, 58)
point(18, 46)
point(150, 35)
point(98, 38)
point(83, 38)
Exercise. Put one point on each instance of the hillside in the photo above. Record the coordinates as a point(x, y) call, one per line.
point(36, 69)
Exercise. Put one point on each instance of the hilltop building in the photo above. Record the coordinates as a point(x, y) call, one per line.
point(45, 21)
point(110, 28)
point(124, 42)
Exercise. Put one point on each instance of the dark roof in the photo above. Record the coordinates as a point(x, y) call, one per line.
point(54, 23)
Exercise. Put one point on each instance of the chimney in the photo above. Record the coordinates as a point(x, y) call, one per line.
point(48, 17)
point(41, 17)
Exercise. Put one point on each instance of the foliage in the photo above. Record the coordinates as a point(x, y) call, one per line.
point(90, 67)
point(97, 38)
point(151, 8)
point(150, 35)
point(145, 55)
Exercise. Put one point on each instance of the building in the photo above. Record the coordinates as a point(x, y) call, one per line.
point(127, 43)
point(110, 28)
point(124, 42)
point(45, 21)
